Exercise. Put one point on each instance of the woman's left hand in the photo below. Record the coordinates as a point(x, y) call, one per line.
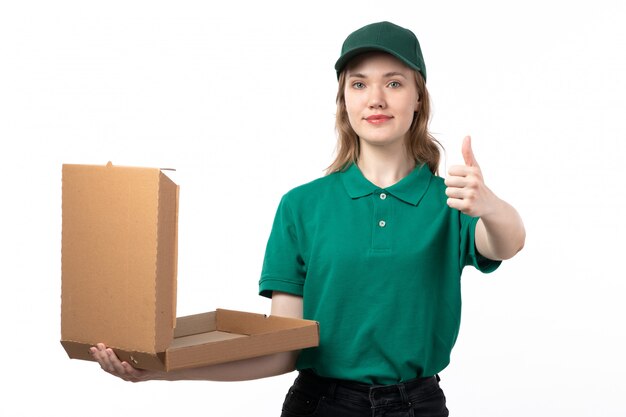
point(466, 190)
point(500, 232)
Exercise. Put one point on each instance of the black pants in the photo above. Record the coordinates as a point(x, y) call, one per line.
point(312, 395)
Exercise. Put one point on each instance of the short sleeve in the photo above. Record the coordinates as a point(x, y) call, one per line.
point(469, 254)
point(283, 266)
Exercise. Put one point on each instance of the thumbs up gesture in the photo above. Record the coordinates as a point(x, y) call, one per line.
point(466, 189)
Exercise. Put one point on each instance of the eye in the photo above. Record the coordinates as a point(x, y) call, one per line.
point(394, 84)
point(358, 85)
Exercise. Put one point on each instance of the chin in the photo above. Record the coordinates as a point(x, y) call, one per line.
point(380, 141)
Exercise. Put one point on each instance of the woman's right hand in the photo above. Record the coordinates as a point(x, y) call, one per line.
point(110, 363)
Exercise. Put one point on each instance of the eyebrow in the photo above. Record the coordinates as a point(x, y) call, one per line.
point(386, 75)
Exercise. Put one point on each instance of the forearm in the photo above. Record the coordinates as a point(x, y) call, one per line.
point(247, 369)
point(500, 234)
point(244, 370)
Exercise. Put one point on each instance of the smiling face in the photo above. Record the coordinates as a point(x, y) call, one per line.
point(381, 99)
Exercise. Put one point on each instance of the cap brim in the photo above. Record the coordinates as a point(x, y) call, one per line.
point(349, 55)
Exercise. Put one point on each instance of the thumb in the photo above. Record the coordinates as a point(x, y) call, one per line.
point(468, 154)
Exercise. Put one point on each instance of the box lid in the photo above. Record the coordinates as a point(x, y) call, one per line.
point(119, 257)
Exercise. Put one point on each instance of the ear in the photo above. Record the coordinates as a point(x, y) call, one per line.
point(418, 104)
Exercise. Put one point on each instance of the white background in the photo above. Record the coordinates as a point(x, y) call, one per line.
point(239, 97)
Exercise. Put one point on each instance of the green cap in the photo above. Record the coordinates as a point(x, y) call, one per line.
point(386, 37)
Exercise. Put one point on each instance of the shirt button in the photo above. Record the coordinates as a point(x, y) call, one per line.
point(382, 223)
point(383, 196)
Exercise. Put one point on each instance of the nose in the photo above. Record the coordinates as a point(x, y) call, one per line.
point(376, 99)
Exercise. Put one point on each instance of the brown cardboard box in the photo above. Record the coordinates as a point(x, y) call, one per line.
point(119, 260)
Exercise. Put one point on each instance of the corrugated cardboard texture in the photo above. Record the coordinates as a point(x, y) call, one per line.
point(119, 257)
point(119, 262)
point(227, 335)
point(218, 337)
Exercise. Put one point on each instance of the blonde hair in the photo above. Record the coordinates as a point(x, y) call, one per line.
point(421, 145)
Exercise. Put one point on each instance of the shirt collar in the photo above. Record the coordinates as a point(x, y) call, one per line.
point(409, 189)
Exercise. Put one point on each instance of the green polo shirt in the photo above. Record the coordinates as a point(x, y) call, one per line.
point(379, 269)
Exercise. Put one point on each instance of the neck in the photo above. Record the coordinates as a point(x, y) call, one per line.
point(383, 166)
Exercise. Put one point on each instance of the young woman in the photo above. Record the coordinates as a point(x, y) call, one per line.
point(374, 250)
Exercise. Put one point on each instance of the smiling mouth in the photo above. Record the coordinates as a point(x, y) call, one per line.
point(377, 118)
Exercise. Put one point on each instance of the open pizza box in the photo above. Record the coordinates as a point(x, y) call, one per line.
point(119, 262)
